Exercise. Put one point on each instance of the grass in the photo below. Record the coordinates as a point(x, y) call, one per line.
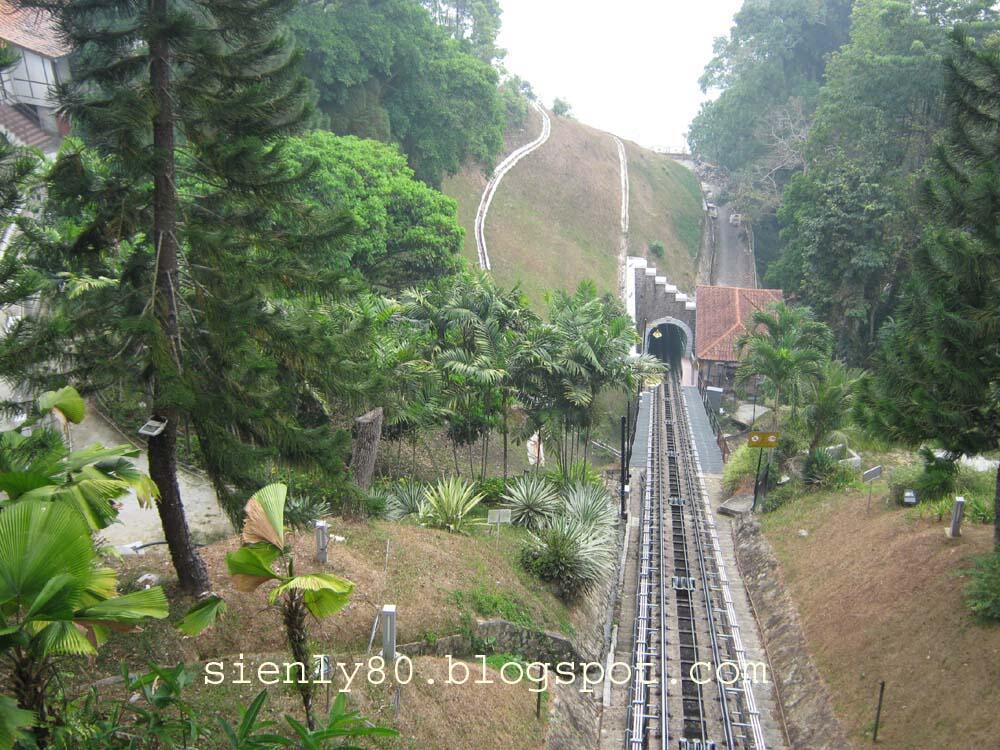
point(555, 219)
point(881, 597)
point(665, 200)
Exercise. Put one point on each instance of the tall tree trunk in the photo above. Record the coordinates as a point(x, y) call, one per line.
point(294, 613)
point(505, 445)
point(996, 514)
point(367, 437)
point(191, 572)
point(454, 453)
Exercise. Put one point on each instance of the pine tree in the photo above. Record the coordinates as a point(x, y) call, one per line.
point(173, 267)
point(938, 370)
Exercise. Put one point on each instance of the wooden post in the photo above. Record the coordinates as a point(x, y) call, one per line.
point(367, 436)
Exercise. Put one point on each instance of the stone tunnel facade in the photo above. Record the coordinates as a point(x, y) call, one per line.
point(651, 301)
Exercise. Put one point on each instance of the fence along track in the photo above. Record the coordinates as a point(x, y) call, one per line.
point(684, 609)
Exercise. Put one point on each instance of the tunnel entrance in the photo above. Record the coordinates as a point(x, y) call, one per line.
point(669, 343)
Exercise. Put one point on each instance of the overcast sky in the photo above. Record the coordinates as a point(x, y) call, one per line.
point(630, 66)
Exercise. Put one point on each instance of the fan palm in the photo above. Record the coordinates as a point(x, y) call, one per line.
point(36, 464)
point(55, 598)
point(253, 564)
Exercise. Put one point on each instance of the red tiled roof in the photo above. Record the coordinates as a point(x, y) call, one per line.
point(31, 29)
point(722, 316)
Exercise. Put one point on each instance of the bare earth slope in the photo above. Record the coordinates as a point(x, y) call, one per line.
point(555, 218)
point(880, 599)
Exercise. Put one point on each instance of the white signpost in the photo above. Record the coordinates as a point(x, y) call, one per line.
point(870, 476)
point(497, 517)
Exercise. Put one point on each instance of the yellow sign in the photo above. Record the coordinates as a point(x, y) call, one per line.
point(763, 439)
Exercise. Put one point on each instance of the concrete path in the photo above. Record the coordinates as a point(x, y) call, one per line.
point(498, 174)
point(142, 525)
point(701, 432)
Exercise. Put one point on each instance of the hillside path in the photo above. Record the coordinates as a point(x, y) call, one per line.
point(623, 245)
point(498, 174)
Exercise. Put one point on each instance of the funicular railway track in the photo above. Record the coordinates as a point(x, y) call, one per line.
point(691, 684)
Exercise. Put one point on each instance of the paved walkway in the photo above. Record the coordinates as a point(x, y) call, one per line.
point(701, 428)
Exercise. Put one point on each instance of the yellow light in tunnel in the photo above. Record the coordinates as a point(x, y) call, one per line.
point(656, 333)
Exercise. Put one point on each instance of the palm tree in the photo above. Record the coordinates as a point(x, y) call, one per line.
point(56, 598)
point(318, 594)
point(37, 464)
point(787, 348)
point(830, 403)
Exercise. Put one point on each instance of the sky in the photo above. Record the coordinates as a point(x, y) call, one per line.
point(630, 67)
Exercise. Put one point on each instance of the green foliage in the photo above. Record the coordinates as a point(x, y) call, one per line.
point(263, 558)
point(820, 467)
point(405, 499)
point(55, 599)
point(657, 248)
point(487, 603)
point(405, 233)
point(302, 512)
point(448, 505)
point(492, 489)
point(590, 505)
point(785, 348)
point(37, 464)
point(532, 500)
point(573, 556)
point(561, 108)
point(578, 472)
point(386, 71)
point(983, 591)
point(740, 468)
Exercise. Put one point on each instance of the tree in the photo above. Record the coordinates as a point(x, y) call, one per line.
point(828, 405)
point(937, 373)
point(55, 599)
point(476, 22)
point(561, 108)
point(317, 594)
point(405, 233)
point(786, 348)
point(159, 239)
point(385, 70)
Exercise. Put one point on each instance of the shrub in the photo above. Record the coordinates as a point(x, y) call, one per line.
point(740, 468)
point(578, 472)
point(405, 499)
point(820, 467)
point(656, 248)
point(492, 489)
point(591, 506)
point(780, 496)
point(983, 591)
point(560, 108)
point(448, 504)
point(938, 477)
point(303, 512)
point(979, 510)
point(532, 500)
point(571, 555)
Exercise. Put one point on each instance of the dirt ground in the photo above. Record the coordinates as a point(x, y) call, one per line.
point(881, 598)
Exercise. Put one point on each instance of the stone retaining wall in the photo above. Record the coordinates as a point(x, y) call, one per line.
point(808, 713)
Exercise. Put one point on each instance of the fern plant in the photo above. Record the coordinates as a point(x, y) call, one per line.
point(532, 501)
point(448, 505)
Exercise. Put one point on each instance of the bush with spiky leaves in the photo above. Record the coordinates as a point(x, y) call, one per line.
point(448, 505)
point(532, 501)
point(590, 505)
point(405, 499)
point(571, 555)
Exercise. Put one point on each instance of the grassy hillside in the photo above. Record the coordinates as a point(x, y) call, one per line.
point(880, 598)
point(555, 218)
